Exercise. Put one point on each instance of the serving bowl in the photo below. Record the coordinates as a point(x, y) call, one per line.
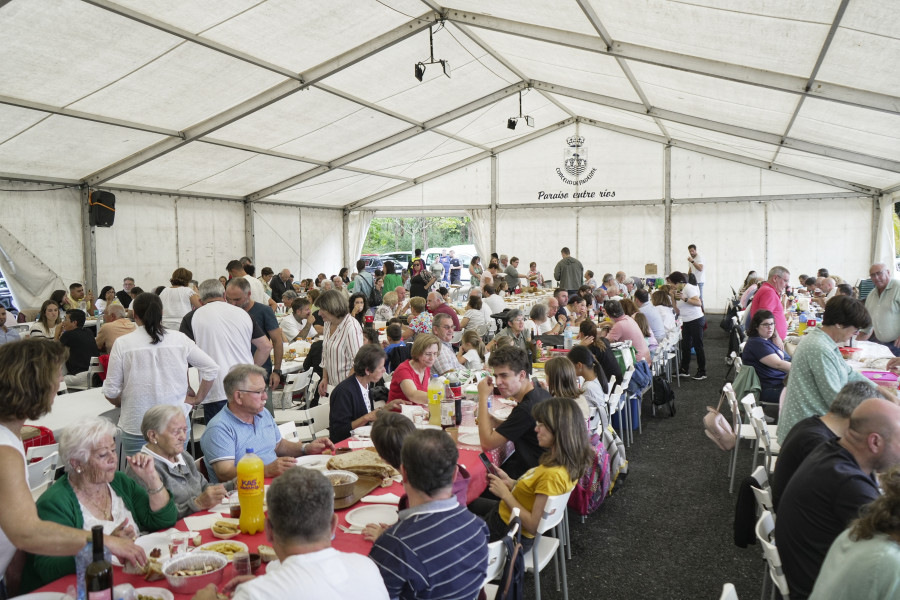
point(348, 481)
point(189, 584)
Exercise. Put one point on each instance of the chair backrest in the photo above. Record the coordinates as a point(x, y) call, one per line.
point(761, 477)
point(457, 336)
point(289, 431)
point(320, 418)
point(40, 452)
point(763, 496)
point(41, 474)
point(496, 560)
point(614, 399)
point(765, 527)
point(554, 511)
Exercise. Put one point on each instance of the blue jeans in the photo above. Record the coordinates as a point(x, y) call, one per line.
point(131, 444)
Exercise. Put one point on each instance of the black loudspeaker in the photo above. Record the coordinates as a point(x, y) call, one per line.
point(102, 208)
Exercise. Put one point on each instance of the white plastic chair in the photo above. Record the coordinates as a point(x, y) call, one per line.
point(546, 548)
point(765, 528)
point(743, 431)
point(40, 452)
point(289, 431)
point(770, 447)
point(284, 398)
point(310, 423)
point(41, 474)
point(728, 592)
point(762, 491)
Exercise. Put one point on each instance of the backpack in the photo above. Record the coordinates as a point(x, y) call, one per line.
point(717, 427)
point(593, 487)
point(641, 378)
point(663, 395)
point(615, 449)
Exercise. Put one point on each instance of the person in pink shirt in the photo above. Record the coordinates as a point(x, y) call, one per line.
point(768, 297)
point(624, 328)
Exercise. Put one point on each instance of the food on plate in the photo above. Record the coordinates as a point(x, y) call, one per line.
point(153, 570)
point(266, 553)
point(226, 528)
point(364, 462)
point(155, 553)
point(197, 540)
point(144, 597)
point(201, 570)
point(226, 548)
point(337, 479)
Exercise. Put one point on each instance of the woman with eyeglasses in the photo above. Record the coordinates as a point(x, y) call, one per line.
point(409, 381)
point(515, 330)
point(764, 352)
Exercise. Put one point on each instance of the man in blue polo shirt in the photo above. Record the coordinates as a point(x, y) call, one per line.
point(245, 423)
point(438, 549)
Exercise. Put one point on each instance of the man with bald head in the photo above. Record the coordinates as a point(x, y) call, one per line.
point(831, 485)
point(436, 304)
point(827, 290)
point(883, 304)
point(280, 284)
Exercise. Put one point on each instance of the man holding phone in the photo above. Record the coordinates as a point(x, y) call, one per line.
point(509, 365)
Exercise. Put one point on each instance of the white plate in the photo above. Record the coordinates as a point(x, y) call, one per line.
point(207, 545)
point(319, 462)
point(156, 540)
point(374, 513)
point(470, 439)
point(155, 592)
point(42, 596)
point(364, 431)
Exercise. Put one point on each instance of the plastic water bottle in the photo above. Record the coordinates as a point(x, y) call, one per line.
point(803, 320)
point(567, 338)
point(435, 397)
point(251, 486)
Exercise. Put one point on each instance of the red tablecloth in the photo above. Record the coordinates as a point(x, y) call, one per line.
point(346, 542)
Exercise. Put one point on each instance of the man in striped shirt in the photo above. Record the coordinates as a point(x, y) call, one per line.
point(438, 549)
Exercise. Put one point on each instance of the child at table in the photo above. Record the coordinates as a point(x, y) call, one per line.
point(471, 351)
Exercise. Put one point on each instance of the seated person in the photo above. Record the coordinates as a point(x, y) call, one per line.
point(446, 362)
point(419, 319)
point(561, 432)
point(93, 492)
point(48, 321)
point(845, 289)
point(350, 406)
point(115, 325)
point(443, 546)
point(298, 324)
point(577, 310)
point(437, 305)
point(594, 389)
point(385, 312)
point(764, 352)
point(165, 429)
point(397, 349)
point(410, 379)
point(514, 330)
point(370, 336)
point(300, 524)
point(509, 365)
point(863, 563)
point(245, 423)
point(594, 339)
point(644, 325)
point(624, 328)
point(474, 317)
point(539, 322)
point(471, 351)
point(81, 344)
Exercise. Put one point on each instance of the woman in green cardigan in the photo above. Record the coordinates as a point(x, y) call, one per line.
point(93, 492)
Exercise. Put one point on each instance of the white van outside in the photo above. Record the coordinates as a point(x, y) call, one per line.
point(464, 253)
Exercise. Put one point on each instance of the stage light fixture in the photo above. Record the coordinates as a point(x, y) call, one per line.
point(420, 66)
point(511, 123)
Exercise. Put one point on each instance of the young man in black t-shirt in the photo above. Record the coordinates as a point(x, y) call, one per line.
point(82, 347)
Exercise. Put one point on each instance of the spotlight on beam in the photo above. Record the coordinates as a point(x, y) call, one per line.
point(420, 66)
point(511, 123)
point(420, 71)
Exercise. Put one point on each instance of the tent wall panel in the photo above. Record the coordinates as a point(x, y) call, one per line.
point(277, 235)
point(516, 231)
point(806, 235)
point(210, 233)
point(321, 241)
point(621, 238)
point(730, 239)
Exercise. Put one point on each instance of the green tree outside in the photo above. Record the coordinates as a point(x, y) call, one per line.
point(391, 234)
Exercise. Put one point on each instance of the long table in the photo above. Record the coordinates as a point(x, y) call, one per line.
point(343, 541)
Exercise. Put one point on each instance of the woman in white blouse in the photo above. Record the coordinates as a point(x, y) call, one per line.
point(179, 299)
point(149, 367)
point(663, 303)
point(48, 321)
point(343, 337)
point(107, 297)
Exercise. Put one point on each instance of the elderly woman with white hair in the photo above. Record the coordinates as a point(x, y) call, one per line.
point(165, 429)
point(92, 492)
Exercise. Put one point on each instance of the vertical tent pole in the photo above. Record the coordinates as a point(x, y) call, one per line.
point(495, 178)
point(667, 160)
point(249, 230)
point(346, 228)
point(88, 242)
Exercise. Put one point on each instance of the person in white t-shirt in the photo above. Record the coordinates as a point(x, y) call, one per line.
point(471, 351)
point(300, 524)
point(697, 267)
point(179, 299)
point(690, 308)
point(225, 333)
point(298, 324)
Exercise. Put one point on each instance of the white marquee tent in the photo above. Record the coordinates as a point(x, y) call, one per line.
point(765, 132)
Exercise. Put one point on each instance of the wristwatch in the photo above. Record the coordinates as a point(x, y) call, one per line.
point(277, 372)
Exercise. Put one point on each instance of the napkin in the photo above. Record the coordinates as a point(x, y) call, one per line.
point(381, 499)
point(358, 444)
point(201, 522)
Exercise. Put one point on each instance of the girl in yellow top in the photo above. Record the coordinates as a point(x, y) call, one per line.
point(561, 431)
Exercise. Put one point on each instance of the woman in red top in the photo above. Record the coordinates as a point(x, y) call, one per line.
point(410, 380)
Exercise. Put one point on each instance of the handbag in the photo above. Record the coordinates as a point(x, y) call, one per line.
point(718, 429)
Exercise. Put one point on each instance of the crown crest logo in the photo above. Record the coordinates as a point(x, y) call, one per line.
point(576, 141)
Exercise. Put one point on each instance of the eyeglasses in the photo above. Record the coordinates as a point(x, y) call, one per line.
point(431, 354)
point(256, 392)
point(767, 324)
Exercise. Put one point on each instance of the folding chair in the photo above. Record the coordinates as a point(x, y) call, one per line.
point(40, 452)
point(765, 528)
point(742, 430)
point(728, 592)
point(546, 548)
point(41, 474)
point(762, 492)
point(764, 434)
point(289, 431)
point(293, 383)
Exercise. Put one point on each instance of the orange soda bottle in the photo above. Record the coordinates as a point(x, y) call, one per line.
point(251, 486)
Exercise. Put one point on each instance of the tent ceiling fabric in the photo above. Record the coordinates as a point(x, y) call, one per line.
point(315, 103)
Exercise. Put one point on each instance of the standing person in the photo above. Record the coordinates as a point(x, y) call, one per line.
point(455, 269)
point(178, 299)
point(230, 336)
point(235, 269)
point(124, 295)
point(238, 293)
point(768, 297)
point(512, 273)
point(883, 304)
point(568, 271)
point(363, 282)
point(149, 367)
point(420, 280)
point(445, 264)
point(690, 306)
point(437, 549)
point(343, 338)
point(391, 278)
point(534, 276)
point(30, 398)
point(698, 268)
point(280, 284)
point(475, 271)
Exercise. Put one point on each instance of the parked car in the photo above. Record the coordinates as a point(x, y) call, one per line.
point(400, 259)
point(373, 262)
